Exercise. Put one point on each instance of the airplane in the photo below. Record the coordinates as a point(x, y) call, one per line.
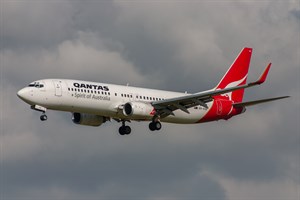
point(93, 104)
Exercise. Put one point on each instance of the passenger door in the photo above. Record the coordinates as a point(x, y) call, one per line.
point(57, 88)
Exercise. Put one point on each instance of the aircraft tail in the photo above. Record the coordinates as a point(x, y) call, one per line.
point(237, 75)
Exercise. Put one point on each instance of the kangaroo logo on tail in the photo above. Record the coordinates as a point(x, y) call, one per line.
point(236, 75)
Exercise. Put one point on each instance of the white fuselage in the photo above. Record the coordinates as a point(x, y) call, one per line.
point(102, 99)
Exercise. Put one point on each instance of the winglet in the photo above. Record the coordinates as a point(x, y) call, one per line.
point(264, 75)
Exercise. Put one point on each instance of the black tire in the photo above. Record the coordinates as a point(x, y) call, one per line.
point(157, 126)
point(121, 130)
point(43, 117)
point(124, 130)
point(152, 126)
point(127, 130)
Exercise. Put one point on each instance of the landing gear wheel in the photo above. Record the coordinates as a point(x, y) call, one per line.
point(127, 130)
point(155, 126)
point(124, 130)
point(121, 130)
point(43, 117)
point(152, 126)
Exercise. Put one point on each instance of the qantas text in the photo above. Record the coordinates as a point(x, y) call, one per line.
point(90, 86)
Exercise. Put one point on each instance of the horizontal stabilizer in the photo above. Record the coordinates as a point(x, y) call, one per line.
point(251, 103)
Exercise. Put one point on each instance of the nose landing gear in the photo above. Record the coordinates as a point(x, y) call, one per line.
point(42, 109)
point(43, 117)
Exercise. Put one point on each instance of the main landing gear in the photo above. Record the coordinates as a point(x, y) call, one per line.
point(124, 130)
point(155, 126)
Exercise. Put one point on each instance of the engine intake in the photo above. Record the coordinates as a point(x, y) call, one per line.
point(138, 109)
point(88, 119)
point(128, 110)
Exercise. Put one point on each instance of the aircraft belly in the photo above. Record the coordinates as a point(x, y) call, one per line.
point(181, 117)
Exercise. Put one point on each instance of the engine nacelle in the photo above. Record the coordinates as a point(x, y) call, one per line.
point(88, 119)
point(138, 109)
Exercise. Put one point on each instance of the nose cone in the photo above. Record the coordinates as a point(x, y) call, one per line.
point(20, 93)
point(24, 94)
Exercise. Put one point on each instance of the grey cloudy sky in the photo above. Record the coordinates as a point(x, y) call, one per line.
point(173, 45)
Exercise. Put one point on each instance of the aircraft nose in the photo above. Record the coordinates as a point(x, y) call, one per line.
point(23, 94)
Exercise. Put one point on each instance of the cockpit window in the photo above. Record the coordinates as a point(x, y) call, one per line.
point(36, 84)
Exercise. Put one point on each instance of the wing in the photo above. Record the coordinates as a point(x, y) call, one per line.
point(166, 107)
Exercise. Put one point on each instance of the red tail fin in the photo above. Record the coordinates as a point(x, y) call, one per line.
point(237, 75)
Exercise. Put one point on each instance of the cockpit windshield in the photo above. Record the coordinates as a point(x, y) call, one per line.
point(36, 84)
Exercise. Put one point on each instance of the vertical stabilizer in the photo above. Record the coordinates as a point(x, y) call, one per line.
point(237, 75)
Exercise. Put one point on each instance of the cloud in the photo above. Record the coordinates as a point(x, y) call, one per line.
point(28, 25)
point(168, 45)
point(283, 189)
point(71, 59)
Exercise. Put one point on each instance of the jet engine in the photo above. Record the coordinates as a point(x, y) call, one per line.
point(88, 119)
point(138, 109)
